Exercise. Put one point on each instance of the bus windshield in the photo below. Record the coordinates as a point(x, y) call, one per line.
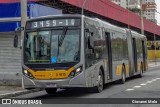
point(52, 46)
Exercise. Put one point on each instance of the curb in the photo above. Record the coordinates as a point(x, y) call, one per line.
point(18, 93)
point(153, 68)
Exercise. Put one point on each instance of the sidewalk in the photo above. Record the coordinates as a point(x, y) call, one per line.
point(153, 64)
point(13, 91)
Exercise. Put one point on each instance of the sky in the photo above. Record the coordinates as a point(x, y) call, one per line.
point(158, 10)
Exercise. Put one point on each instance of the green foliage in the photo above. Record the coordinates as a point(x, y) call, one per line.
point(134, 9)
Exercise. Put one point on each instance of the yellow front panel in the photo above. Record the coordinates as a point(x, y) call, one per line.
point(51, 74)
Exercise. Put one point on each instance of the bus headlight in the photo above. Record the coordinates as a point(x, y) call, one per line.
point(78, 69)
point(28, 74)
point(76, 72)
point(25, 71)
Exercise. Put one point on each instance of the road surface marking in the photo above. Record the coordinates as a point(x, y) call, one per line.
point(136, 86)
point(129, 89)
point(143, 84)
point(154, 80)
point(153, 65)
point(149, 81)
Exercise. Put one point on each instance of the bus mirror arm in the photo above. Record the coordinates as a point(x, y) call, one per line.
point(19, 29)
point(15, 41)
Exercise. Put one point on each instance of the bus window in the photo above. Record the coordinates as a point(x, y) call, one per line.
point(68, 48)
point(89, 52)
point(37, 47)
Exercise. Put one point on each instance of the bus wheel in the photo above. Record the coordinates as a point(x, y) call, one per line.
point(51, 90)
point(141, 72)
point(99, 87)
point(123, 80)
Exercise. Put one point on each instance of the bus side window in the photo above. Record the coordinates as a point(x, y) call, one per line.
point(86, 37)
point(89, 57)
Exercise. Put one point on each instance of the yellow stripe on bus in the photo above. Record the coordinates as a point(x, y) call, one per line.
point(139, 67)
point(51, 74)
point(127, 68)
point(146, 65)
point(119, 70)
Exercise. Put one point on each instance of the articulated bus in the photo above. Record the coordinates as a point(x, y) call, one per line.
point(68, 51)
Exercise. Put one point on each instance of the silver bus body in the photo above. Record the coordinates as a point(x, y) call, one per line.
point(92, 62)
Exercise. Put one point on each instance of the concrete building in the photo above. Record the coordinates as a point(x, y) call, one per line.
point(128, 3)
point(122, 3)
point(10, 57)
point(150, 8)
point(132, 4)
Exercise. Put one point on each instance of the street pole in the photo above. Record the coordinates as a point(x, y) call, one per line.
point(83, 6)
point(23, 22)
point(23, 14)
point(23, 17)
point(142, 24)
point(128, 14)
point(155, 49)
point(155, 37)
point(155, 45)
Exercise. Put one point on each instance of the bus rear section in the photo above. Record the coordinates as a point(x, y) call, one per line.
point(137, 53)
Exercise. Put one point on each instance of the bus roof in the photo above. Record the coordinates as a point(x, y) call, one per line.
point(107, 25)
point(102, 23)
point(138, 34)
point(54, 16)
point(110, 26)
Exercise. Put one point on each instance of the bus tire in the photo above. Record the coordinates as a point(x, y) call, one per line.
point(141, 72)
point(123, 79)
point(51, 90)
point(100, 80)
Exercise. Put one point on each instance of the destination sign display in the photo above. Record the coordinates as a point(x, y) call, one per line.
point(53, 23)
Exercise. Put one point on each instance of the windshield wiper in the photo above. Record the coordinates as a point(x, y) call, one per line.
point(60, 41)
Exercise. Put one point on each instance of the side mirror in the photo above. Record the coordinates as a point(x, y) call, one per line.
point(19, 29)
point(15, 42)
point(90, 41)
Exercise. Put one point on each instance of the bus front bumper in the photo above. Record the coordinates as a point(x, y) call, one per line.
point(78, 81)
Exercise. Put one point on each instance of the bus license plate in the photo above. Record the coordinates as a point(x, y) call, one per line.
point(50, 85)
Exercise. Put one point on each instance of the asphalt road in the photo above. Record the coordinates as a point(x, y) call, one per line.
point(146, 87)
